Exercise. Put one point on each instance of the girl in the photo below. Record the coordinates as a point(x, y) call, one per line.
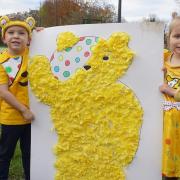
point(171, 90)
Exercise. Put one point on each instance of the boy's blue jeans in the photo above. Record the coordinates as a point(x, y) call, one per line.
point(10, 134)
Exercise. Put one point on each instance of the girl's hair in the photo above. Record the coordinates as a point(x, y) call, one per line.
point(174, 22)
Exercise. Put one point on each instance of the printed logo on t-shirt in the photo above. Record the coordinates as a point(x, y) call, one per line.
point(173, 82)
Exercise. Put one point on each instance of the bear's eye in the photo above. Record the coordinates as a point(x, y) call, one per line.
point(24, 74)
point(105, 58)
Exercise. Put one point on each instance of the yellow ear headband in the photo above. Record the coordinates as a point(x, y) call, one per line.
point(28, 24)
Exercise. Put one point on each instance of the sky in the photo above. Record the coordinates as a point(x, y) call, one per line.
point(132, 10)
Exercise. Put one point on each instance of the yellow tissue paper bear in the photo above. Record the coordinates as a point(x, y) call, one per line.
point(96, 118)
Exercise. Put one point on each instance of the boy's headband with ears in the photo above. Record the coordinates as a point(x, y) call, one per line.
point(28, 24)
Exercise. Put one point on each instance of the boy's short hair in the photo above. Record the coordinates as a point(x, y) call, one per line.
point(5, 23)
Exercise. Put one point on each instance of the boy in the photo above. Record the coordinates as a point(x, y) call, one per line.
point(15, 116)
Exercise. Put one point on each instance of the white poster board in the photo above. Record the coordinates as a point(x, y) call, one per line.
point(143, 76)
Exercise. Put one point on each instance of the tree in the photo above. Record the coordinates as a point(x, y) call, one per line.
point(62, 12)
point(152, 18)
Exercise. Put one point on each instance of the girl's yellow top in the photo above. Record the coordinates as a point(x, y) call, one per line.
point(171, 128)
point(172, 77)
point(13, 71)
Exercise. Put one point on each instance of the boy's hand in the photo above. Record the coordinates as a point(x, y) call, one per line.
point(28, 115)
point(37, 29)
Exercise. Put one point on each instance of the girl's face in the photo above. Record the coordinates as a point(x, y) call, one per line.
point(174, 39)
point(17, 39)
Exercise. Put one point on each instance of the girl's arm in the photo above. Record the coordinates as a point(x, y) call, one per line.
point(167, 90)
point(6, 95)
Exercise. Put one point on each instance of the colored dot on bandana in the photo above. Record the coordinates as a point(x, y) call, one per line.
point(77, 59)
point(82, 38)
point(79, 48)
point(8, 69)
point(68, 49)
point(87, 53)
point(56, 68)
point(60, 58)
point(11, 79)
point(66, 73)
point(67, 63)
point(91, 48)
point(88, 41)
point(19, 66)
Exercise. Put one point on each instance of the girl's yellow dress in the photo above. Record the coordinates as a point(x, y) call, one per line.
point(171, 129)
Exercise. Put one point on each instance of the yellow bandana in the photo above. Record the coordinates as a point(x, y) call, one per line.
point(28, 24)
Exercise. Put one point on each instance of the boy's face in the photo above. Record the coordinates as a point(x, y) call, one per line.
point(17, 39)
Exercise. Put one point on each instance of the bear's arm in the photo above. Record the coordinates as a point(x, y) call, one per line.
point(42, 81)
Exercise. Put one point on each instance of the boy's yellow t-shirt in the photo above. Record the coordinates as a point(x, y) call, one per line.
point(13, 71)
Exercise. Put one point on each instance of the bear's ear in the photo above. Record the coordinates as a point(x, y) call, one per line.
point(66, 40)
point(118, 40)
point(31, 22)
point(3, 21)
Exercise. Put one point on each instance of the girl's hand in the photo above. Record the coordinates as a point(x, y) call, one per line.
point(167, 90)
point(38, 29)
point(28, 115)
point(164, 69)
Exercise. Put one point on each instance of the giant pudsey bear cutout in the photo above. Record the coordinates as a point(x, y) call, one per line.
point(97, 119)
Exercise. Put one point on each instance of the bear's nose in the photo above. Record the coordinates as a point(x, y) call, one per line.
point(87, 67)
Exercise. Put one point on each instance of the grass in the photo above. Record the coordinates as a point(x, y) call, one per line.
point(16, 170)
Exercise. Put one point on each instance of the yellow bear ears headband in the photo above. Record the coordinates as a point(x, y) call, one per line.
point(28, 24)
